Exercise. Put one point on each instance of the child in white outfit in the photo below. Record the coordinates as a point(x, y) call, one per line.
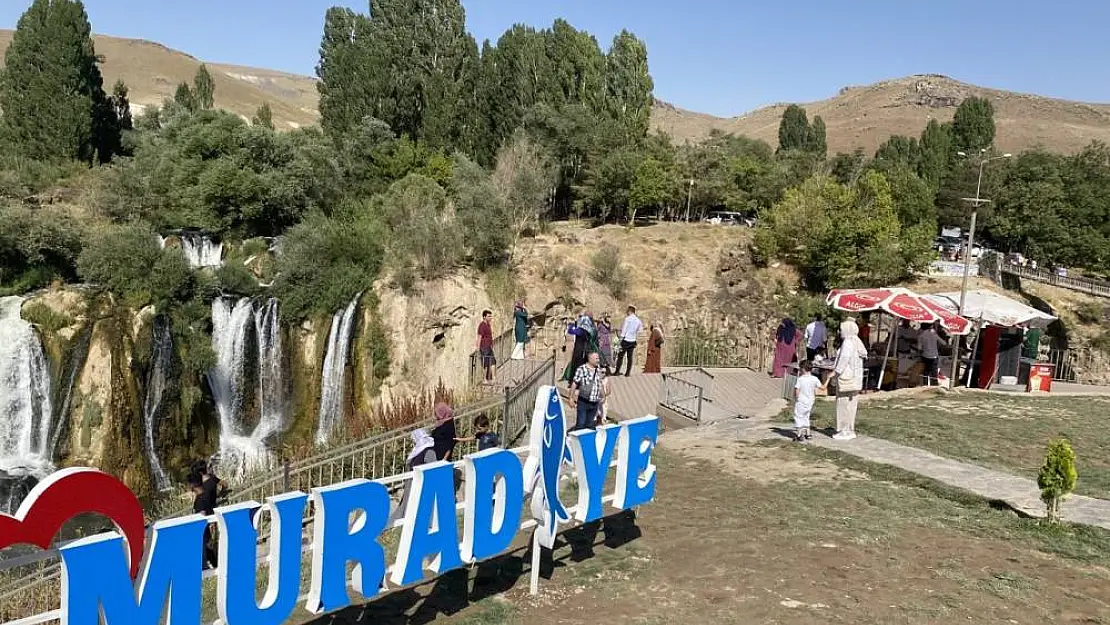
point(805, 395)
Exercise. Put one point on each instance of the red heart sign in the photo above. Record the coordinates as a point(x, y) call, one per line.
point(63, 495)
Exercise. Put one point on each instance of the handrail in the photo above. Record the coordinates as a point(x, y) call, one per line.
point(375, 457)
point(676, 394)
point(1085, 285)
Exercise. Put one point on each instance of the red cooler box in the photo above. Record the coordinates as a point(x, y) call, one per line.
point(1040, 377)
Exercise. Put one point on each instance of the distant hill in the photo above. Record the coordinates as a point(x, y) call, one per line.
point(857, 116)
point(153, 71)
point(866, 116)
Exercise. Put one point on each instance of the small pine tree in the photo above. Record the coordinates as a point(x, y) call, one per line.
point(204, 89)
point(1057, 477)
point(264, 116)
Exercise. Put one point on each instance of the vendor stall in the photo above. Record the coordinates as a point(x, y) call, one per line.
point(887, 365)
point(1005, 348)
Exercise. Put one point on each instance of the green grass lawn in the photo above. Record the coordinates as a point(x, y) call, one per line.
point(1003, 432)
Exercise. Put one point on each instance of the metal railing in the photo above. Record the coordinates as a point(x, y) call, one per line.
point(375, 457)
point(705, 347)
point(683, 392)
point(1083, 285)
point(502, 350)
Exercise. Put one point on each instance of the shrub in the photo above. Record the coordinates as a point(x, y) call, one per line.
point(423, 237)
point(1057, 477)
point(234, 278)
point(128, 261)
point(326, 261)
point(36, 246)
point(46, 317)
point(482, 215)
point(608, 270)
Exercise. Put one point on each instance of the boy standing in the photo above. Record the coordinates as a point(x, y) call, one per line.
point(485, 346)
point(805, 395)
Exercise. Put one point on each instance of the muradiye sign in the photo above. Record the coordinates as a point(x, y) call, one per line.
point(127, 579)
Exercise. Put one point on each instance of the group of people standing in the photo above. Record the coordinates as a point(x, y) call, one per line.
point(846, 374)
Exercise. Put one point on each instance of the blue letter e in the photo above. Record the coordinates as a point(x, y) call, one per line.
point(635, 473)
point(95, 577)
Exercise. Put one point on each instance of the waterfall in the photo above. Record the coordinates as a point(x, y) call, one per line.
point(25, 402)
point(160, 361)
point(271, 389)
point(242, 447)
point(201, 251)
point(335, 369)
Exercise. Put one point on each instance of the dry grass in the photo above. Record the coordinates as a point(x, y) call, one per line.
point(865, 116)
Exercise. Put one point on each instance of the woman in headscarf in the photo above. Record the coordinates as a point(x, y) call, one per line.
point(605, 341)
point(786, 347)
point(585, 342)
point(444, 432)
point(654, 361)
point(848, 374)
point(520, 329)
point(423, 452)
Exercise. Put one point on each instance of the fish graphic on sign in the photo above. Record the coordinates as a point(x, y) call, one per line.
point(548, 452)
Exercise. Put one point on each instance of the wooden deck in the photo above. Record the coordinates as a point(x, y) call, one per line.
point(736, 393)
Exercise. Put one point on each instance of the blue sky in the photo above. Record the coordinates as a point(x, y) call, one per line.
point(723, 57)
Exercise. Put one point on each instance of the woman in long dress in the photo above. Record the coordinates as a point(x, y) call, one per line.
point(786, 347)
point(848, 374)
point(654, 361)
point(585, 341)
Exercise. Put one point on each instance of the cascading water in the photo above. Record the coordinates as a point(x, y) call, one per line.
point(335, 369)
point(242, 446)
point(25, 404)
point(160, 361)
point(201, 251)
point(271, 390)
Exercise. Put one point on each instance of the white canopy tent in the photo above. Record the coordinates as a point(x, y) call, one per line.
point(994, 308)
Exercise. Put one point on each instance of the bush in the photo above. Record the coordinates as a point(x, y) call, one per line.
point(326, 261)
point(21, 177)
point(482, 215)
point(128, 261)
point(234, 278)
point(608, 271)
point(46, 317)
point(36, 246)
point(1057, 477)
point(423, 238)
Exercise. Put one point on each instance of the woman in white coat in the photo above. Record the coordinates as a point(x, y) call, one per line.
point(848, 373)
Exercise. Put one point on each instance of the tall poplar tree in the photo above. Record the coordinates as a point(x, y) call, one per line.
point(794, 128)
point(344, 98)
point(204, 89)
point(628, 85)
point(51, 91)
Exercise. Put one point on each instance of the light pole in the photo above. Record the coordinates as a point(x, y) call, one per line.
point(975, 203)
point(689, 194)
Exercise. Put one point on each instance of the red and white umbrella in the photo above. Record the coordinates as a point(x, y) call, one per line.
point(902, 303)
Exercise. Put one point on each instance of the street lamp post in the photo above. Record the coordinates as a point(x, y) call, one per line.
point(975, 203)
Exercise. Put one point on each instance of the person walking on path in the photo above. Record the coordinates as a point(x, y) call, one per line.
point(816, 336)
point(786, 347)
point(520, 329)
point(848, 374)
point(587, 390)
point(654, 361)
point(805, 395)
point(629, 334)
point(605, 342)
point(585, 342)
point(485, 346)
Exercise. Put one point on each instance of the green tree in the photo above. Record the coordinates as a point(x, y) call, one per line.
point(184, 97)
point(650, 188)
point(935, 152)
point(629, 86)
point(899, 150)
point(973, 125)
point(817, 142)
point(846, 168)
point(482, 214)
point(423, 238)
point(794, 129)
point(1057, 477)
point(204, 88)
point(524, 179)
point(51, 91)
point(264, 116)
point(342, 85)
point(129, 262)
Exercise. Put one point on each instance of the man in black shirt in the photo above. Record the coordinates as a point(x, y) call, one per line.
point(203, 504)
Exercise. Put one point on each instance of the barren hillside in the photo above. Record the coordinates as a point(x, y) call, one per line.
point(857, 116)
point(153, 71)
point(866, 116)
